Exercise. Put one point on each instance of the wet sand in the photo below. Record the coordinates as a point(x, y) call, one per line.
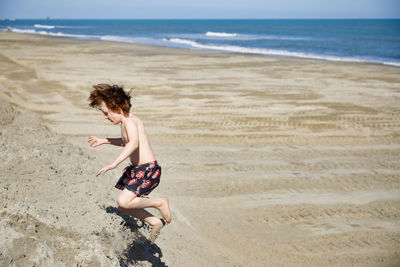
point(266, 160)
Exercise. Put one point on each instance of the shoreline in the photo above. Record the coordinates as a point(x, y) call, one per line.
point(260, 51)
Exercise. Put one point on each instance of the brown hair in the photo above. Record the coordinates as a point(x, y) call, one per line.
point(113, 96)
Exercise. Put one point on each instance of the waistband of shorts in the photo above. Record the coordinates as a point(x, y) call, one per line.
point(155, 162)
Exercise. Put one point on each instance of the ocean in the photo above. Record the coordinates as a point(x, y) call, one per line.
point(353, 40)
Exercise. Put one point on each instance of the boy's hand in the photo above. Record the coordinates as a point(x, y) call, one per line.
point(96, 141)
point(106, 168)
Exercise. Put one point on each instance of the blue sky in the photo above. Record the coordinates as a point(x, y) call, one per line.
point(179, 9)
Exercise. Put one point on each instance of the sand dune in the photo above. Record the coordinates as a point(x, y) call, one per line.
point(267, 161)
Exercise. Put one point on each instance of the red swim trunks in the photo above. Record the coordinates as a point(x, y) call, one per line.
point(141, 179)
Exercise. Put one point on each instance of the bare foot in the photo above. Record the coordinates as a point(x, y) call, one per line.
point(164, 210)
point(155, 230)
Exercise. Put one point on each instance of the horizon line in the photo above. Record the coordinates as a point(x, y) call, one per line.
point(50, 18)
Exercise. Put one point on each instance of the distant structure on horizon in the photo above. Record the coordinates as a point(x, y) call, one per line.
point(48, 17)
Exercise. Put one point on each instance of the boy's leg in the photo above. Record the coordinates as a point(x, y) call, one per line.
point(124, 205)
point(128, 200)
point(141, 214)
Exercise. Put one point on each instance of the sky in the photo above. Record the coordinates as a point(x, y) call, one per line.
point(204, 9)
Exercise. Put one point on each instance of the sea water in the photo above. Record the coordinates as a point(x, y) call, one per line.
point(360, 40)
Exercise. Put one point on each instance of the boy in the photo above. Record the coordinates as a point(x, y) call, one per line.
point(143, 175)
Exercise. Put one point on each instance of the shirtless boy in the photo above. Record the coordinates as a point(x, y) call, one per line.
point(143, 175)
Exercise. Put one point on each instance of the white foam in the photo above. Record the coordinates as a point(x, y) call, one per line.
point(59, 34)
point(114, 38)
point(397, 64)
point(23, 31)
point(255, 36)
point(270, 52)
point(44, 26)
point(236, 37)
point(132, 40)
point(183, 41)
point(221, 34)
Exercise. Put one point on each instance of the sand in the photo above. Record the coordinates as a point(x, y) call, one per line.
point(267, 161)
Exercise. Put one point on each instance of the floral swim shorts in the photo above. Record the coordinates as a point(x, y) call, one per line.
point(141, 179)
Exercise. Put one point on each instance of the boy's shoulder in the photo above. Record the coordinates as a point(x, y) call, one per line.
point(133, 120)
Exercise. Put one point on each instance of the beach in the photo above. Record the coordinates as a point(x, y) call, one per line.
point(267, 161)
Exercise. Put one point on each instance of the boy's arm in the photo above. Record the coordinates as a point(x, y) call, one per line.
point(115, 141)
point(133, 143)
point(97, 141)
point(130, 147)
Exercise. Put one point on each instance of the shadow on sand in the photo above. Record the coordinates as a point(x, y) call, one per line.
point(141, 249)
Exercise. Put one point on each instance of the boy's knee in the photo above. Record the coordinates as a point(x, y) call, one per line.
point(121, 203)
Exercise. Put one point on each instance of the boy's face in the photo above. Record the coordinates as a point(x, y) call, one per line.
point(113, 116)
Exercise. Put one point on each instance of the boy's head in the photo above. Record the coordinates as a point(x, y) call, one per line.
point(113, 96)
